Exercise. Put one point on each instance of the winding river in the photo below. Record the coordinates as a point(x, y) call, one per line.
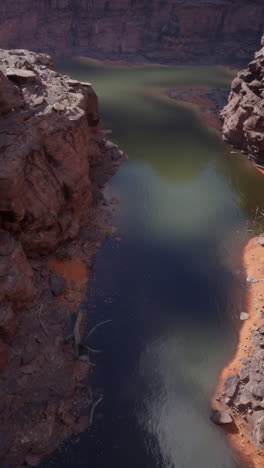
point(174, 285)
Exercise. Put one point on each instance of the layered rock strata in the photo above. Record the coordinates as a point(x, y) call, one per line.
point(193, 31)
point(55, 160)
point(243, 117)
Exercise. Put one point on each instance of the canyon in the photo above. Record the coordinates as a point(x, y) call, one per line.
point(171, 31)
point(55, 161)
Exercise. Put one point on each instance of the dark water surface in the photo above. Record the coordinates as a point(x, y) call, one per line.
point(174, 285)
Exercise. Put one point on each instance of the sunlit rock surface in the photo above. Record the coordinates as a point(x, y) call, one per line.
point(244, 115)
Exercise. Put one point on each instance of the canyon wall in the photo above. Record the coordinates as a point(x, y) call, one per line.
point(177, 31)
point(54, 160)
point(243, 116)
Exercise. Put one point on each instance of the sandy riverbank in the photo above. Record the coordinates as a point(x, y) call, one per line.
point(241, 431)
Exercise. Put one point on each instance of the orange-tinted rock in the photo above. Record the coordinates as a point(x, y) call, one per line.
point(173, 30)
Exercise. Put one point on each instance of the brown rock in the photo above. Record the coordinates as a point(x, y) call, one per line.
point(16, 275)
point(4, 355)
point(57, 284)
point(8, 322)
point(243, 116)
point(221, 417)
point(227, 30)
point(45, 178)
point(51, 160)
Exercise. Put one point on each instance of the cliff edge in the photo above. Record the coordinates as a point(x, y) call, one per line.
point(55, 160)
point(243, 117)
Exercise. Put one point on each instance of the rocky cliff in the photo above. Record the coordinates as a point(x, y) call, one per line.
point(243, 117)
point(55, 160)
point(200, 31)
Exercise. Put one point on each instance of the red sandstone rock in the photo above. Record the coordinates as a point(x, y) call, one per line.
point(176, 30)
point(244, 115)
point(49, 147)
point(54, 160)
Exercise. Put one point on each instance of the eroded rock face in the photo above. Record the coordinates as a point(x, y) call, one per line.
point(49, 141)
point(54, 162)
point(227, 30)
point(244, 114)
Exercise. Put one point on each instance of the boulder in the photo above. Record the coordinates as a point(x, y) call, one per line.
point(231, 385)
point(221, 417)
point(228, 31)
point(20, 76)
point(48, 151)
point(244, 316)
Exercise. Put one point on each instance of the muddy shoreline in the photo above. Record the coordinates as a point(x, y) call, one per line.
point(209, 101)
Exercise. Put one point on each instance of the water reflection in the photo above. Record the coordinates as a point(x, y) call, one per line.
point(175, 280)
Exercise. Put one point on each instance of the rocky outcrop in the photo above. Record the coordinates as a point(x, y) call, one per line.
point(243, 116)
point(55, 160)
point(239, 400)
point(49, 141)
point(193, 31)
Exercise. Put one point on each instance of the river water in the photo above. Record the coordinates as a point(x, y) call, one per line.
point(174, 285)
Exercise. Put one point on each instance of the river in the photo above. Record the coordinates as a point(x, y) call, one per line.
point(174, 285)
